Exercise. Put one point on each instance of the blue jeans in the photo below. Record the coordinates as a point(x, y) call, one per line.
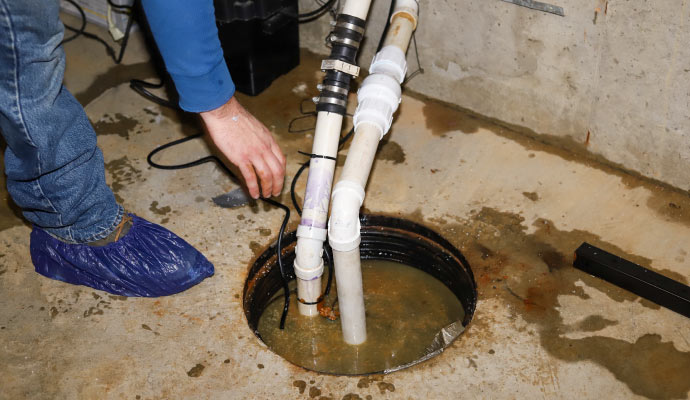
point(54, 168)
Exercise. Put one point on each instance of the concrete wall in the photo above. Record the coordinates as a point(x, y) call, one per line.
point(619, 70)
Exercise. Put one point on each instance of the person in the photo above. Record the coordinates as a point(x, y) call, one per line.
point(55, 170)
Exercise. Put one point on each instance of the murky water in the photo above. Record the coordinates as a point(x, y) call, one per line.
point(406, 308)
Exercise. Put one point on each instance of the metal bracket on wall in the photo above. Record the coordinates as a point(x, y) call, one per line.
point(537, 5)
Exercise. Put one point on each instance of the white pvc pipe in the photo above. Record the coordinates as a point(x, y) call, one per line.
point(350, 296)
point(378, 99)
point(357, 8)
point(361, 155)
point(312, 230)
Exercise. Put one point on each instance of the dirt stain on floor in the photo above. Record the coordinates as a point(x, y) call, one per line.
point(391, 151)
point(123, 174)
point(162, 211)
point(117, 124)
point(530, 271)
point(441, 119)
point(531, 195)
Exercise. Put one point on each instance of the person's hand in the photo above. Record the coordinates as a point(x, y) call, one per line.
point(249, 145)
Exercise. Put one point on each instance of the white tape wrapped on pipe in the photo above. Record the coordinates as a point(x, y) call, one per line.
point(378, 98)
point(390, 61)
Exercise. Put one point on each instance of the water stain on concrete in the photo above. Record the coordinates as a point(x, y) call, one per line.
point(530, 271)
point(264, 232)
point(301, 385)
point(163, 211)
point(385, 387)
point(256, 248)
point(117, 124)
point(123, 174)
point(196, 371)
point(391, 151)
point(115, 76)
point(314, 391)
point(531, 195)
point(593, 323)
point(441, 119)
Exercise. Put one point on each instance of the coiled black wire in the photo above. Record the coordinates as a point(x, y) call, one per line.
point(81, 31)
point(313, 15)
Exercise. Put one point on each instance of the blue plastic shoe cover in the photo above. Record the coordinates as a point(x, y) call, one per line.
point(148, 261)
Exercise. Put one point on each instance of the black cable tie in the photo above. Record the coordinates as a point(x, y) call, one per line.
point(310, 155)
point(311, 303)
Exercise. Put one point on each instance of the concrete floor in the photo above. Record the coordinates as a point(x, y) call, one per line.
point(516, 208)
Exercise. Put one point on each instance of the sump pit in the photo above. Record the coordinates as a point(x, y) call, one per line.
point(420, 294)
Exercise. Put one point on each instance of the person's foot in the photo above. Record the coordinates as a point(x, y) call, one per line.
point(139, 258)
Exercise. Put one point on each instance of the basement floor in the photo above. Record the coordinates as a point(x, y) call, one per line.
point(515, 207)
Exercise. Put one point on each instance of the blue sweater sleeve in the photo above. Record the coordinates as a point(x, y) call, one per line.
point(186, 34)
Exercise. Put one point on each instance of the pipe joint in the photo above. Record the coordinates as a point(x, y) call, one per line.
point(378, 99)
point(308, 274)
point(344, 226)
point(390, 61)
point(311, 232)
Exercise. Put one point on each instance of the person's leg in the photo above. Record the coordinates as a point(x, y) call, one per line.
point(54, 168)
point(55, 172)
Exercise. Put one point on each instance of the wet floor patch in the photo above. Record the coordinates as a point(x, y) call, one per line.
point(530, 272)
point(123, 174)
point(116, 124)
point(406, 309)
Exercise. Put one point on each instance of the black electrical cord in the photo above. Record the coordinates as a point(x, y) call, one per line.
point(117, 57)
point(83, 22)
point(140, 86)
point(312, 15)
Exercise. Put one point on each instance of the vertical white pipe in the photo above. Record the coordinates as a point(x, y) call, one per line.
point(379, 97)
point(350, 296)
point(357, 8)
point(312, 230)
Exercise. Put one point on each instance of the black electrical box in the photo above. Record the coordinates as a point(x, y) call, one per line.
point(260, 40)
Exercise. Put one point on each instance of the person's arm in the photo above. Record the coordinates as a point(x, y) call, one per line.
point(186, 35)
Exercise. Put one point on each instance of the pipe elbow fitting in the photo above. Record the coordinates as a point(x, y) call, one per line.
point(378, 99)
point(344, 225)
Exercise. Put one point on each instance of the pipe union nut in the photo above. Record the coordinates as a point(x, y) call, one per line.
point(378, 99)
point(390, 61)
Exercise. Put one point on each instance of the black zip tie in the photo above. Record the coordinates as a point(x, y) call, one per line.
point(312, 303)
point(310, 155)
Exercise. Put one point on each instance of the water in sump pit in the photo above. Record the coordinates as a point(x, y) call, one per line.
point(405, 309)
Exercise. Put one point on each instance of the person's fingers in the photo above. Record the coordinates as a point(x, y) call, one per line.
point(278, 172)
point(249, 179)
point(275, 149)
point(264, 173)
